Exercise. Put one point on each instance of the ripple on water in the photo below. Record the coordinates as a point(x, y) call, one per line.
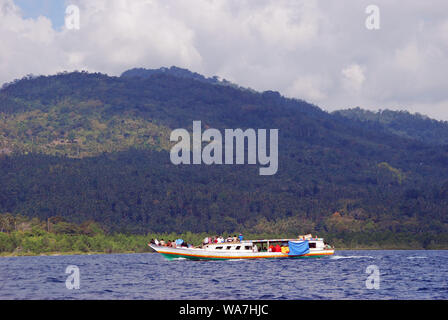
point(150, 276)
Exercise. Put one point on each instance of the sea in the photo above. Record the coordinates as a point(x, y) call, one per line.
point(352, 275)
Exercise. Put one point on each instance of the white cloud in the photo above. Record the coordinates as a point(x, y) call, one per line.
point(409, 57)
point(353, 77)
point(24, 43)
point(308, 87)
point(311, 49)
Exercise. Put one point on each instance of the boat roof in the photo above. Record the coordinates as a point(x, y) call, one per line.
point(282, 240)
point(266, 240)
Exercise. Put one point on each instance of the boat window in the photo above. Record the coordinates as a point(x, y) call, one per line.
point(247, 247)
point(238, 248)
point(228, 247)
point(312, 244)
point(218, 247)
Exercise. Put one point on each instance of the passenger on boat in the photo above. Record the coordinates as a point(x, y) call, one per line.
point(229, 239)
point(277, 248)
point(240, 237)
point(162, 242)
point(271, 248)
point(255, 249)
point(235, 239)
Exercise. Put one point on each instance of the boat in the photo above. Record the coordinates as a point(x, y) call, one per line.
point(301, 247)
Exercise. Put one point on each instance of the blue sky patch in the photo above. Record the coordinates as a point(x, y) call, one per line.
point(52, 9)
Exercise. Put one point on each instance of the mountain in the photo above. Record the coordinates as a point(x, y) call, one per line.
point(176, 72)
point(402, 123)
point(88, 146)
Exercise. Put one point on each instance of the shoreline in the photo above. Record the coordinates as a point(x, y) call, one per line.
point(77, 253)
point(56, 254)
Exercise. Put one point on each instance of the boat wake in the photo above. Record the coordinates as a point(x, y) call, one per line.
point(417, 257)
point(350, 257)
point(236, 260)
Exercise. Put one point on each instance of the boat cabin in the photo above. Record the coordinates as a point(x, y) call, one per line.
point(229, 246)
point(262, 245)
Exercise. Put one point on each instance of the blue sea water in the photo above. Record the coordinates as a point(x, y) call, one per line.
point(402, 275)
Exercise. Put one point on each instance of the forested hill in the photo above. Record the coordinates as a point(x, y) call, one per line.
point(402, 123)
point(93, 147)
point(175, 72)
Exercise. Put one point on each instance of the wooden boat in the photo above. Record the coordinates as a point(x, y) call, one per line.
point(249, 249)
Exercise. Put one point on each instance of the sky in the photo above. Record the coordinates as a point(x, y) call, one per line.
point(52, 9)
point(315, 50)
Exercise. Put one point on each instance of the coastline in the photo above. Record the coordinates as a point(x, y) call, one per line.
point(73, 253)
point(24, 237)
point(56, 254)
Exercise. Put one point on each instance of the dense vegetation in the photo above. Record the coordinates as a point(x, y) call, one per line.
point(24, 236)
point(89, 147)
point(178, 73)
point(402, 123)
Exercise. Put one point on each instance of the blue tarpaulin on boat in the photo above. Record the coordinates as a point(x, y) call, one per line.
point(298, 248)
point(179, 242)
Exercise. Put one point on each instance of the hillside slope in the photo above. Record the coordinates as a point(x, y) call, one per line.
point(402, 123)
point(89, 146)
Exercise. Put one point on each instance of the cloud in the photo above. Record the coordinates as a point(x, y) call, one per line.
point(309, 87)
point(24, 42)
point(409, 57)
point(316, 50)
point(353, 77)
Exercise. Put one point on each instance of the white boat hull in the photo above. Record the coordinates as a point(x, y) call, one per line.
point(201, 254)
